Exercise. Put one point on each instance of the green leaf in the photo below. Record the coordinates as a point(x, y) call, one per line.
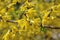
point(43, 29)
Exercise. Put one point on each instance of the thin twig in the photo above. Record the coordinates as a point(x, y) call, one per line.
point(50, 27)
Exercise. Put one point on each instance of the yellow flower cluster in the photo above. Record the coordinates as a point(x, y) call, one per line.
point(29, 19)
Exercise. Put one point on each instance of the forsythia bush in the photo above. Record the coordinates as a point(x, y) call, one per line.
point(29, 19)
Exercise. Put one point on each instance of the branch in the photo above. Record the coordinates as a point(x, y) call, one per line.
point(51, 27)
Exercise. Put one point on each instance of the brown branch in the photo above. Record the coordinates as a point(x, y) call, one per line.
point(50, 27)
